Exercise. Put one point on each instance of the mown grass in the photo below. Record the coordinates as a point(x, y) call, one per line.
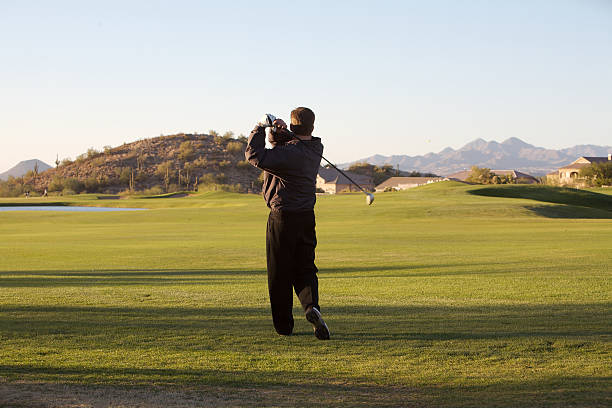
point(435, 297)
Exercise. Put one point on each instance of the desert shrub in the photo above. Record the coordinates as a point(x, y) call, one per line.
point(91, 153)
point(11, 188)
point(164, 168)
point(140, 177)
point(107, 149)
point(242, 138)
point(232, 188)
point(73, 184)
point(213, 133)
point(200, 162)
point(155, 190)
point(224, 163)
point(57, 184)
point(186, 151)
point(66, 162)
point(98, 161)
point(211, 178)
point(243, 164)
point(235, 147)
point(91, 184)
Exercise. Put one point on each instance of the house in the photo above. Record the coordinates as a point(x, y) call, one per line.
point(568, 174)
point(332, 182)
point(403, 183)
point(520, 177)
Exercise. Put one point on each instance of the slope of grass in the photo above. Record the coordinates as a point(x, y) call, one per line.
point(549, 194)
point(434, 296)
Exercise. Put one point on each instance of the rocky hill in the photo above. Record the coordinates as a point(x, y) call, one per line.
point(23, 167)
point(165, 163)
point(512, 154)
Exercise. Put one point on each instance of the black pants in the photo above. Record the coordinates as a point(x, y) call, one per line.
point(290, 250)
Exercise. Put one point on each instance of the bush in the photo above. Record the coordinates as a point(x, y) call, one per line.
point(598, 174)
point(186, 151)
point(57, 184)
point(211, 178)
point(224, 163)
point(66, 162)
point(72, 184)
point(200, 162)
point(125, 174)
point(155, 190)
point(480, 175)
point(91, 185)
point(91, 153)
point(235, 147)
point(243, 164)
point(165, 168)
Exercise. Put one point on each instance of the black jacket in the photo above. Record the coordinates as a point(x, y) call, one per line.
point(290, 171)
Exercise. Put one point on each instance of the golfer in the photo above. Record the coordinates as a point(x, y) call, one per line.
point(290, 174)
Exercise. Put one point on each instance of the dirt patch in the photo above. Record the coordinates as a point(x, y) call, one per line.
point(51, 395)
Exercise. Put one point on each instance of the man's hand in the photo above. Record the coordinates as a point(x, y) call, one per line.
point(279, 123)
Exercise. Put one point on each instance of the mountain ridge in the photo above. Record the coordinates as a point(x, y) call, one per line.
point(23, 167)
point(512, 153)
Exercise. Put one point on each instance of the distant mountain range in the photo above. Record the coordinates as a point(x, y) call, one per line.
point(23, 167)
point(512, 154)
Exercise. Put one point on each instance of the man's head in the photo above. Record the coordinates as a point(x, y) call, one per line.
point(302, 121)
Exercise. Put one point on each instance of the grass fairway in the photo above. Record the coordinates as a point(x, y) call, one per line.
point(435, 297)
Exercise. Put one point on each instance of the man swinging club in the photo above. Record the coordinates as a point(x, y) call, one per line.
point(290, 174)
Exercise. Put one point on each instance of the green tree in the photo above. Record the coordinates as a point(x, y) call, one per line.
point(480, 175)
point(598, 174)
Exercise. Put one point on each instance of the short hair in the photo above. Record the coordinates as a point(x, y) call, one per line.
point(302, 121)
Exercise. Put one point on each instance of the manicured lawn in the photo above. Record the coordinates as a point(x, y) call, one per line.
point(435, 297)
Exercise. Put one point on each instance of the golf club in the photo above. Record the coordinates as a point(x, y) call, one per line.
point(286, 132)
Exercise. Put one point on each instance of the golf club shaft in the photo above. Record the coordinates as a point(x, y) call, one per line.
point(330, 163)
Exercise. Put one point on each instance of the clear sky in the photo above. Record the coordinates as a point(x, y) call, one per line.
point(387, 77)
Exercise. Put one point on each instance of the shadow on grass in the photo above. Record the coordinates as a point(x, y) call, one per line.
point(238, 389)
point(570, 212)
point(350, 323)
point(160, 277)
point(555, 195)
point(36, 204)
point(521, 334)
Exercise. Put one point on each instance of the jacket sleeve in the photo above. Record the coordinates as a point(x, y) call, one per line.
point(272, 160)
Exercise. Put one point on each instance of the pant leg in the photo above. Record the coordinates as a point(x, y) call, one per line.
point(306, 283)
point(280, 246)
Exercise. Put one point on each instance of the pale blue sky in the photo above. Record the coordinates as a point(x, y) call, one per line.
point(387, 77)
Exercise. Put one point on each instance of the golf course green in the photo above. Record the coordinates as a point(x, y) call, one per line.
point(445, 295)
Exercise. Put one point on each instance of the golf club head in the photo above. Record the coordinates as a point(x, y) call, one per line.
point(369, 198)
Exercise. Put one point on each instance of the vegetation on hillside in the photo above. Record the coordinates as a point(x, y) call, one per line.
point(157, 165)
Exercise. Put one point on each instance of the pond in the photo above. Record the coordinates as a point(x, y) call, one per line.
point(65, 208)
